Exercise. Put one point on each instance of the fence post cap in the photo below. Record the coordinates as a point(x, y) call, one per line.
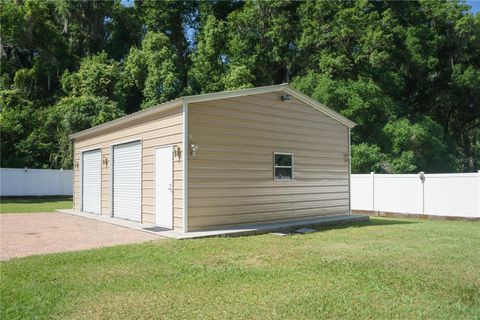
point(421, 175)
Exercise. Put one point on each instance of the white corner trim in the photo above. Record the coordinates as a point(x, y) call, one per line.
point(185, 166)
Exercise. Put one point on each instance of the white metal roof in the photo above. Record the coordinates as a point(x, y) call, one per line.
point(216, 96)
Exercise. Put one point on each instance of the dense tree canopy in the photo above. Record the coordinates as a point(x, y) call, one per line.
point(408, 73)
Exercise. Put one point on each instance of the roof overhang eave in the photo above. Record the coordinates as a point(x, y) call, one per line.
point(128, 118)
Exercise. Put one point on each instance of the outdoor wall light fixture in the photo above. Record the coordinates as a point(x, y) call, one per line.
point(177, 152)
point(105, 161)
point(286, 97)
point(193, 149)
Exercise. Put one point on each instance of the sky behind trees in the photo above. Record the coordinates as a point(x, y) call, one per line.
point(475, 5)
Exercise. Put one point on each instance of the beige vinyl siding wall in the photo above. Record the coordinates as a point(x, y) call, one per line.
point(231, 178)
point(162, 129)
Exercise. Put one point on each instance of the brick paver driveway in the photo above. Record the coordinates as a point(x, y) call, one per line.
point(24, 234)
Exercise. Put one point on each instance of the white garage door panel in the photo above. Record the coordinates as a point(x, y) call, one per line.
point(127, 181)
point(91, 181)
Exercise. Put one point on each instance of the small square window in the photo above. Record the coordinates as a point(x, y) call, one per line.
point(283, 166)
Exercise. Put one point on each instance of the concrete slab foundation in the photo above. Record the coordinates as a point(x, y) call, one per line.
point(243, 230)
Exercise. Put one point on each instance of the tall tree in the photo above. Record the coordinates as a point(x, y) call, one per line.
point(123, 30)
point(97, 76)
point(171, 18)
point(72, 114)
point(261, 38)
point(407, 72)
point(153, 69)
point(209, 59)
point(84, 24)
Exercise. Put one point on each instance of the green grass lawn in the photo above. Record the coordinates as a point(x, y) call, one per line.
point(388, 268)
point(34, 204)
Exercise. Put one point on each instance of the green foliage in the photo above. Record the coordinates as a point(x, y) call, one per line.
point(407, 73)
point(83, 112)
point(208, 65)
point(85, 24)
point(170, 18)
point(23, 138)
point(362, 101)
point(24, 81)
point(123, 31)
point(403, 163)
point(16, 120)
point(76, 113)
point(261, 37)
point(367, 157)
point(97, 76)
point(238, 77)
point(153, 70)
point(418, 145)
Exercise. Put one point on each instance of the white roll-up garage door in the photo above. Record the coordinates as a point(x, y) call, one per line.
point(91, 181)
point(127, 181)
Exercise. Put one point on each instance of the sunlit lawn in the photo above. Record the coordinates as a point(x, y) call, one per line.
point(388, 268)
point(34, 204)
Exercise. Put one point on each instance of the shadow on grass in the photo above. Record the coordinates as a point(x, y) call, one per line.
point(371, 223)
point(33, 200)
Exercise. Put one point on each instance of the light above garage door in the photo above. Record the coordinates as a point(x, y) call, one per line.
point(127, 181)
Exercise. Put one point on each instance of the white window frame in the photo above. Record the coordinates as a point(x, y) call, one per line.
point(288, 167)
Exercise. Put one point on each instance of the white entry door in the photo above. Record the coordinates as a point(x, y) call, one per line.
point(164, 187)
point(127, 181)
point(91, 181)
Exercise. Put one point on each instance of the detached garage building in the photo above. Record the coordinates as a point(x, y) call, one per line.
point(261, 155)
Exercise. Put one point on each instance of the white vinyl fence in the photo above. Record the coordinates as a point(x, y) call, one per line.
point(35, 182)
point(450, 194)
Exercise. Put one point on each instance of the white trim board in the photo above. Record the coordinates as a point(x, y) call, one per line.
point(186, 152)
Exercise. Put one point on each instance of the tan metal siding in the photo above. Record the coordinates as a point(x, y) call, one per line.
point(231, 177)
point(165, 128)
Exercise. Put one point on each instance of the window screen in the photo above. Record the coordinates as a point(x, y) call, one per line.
point(283, 166)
